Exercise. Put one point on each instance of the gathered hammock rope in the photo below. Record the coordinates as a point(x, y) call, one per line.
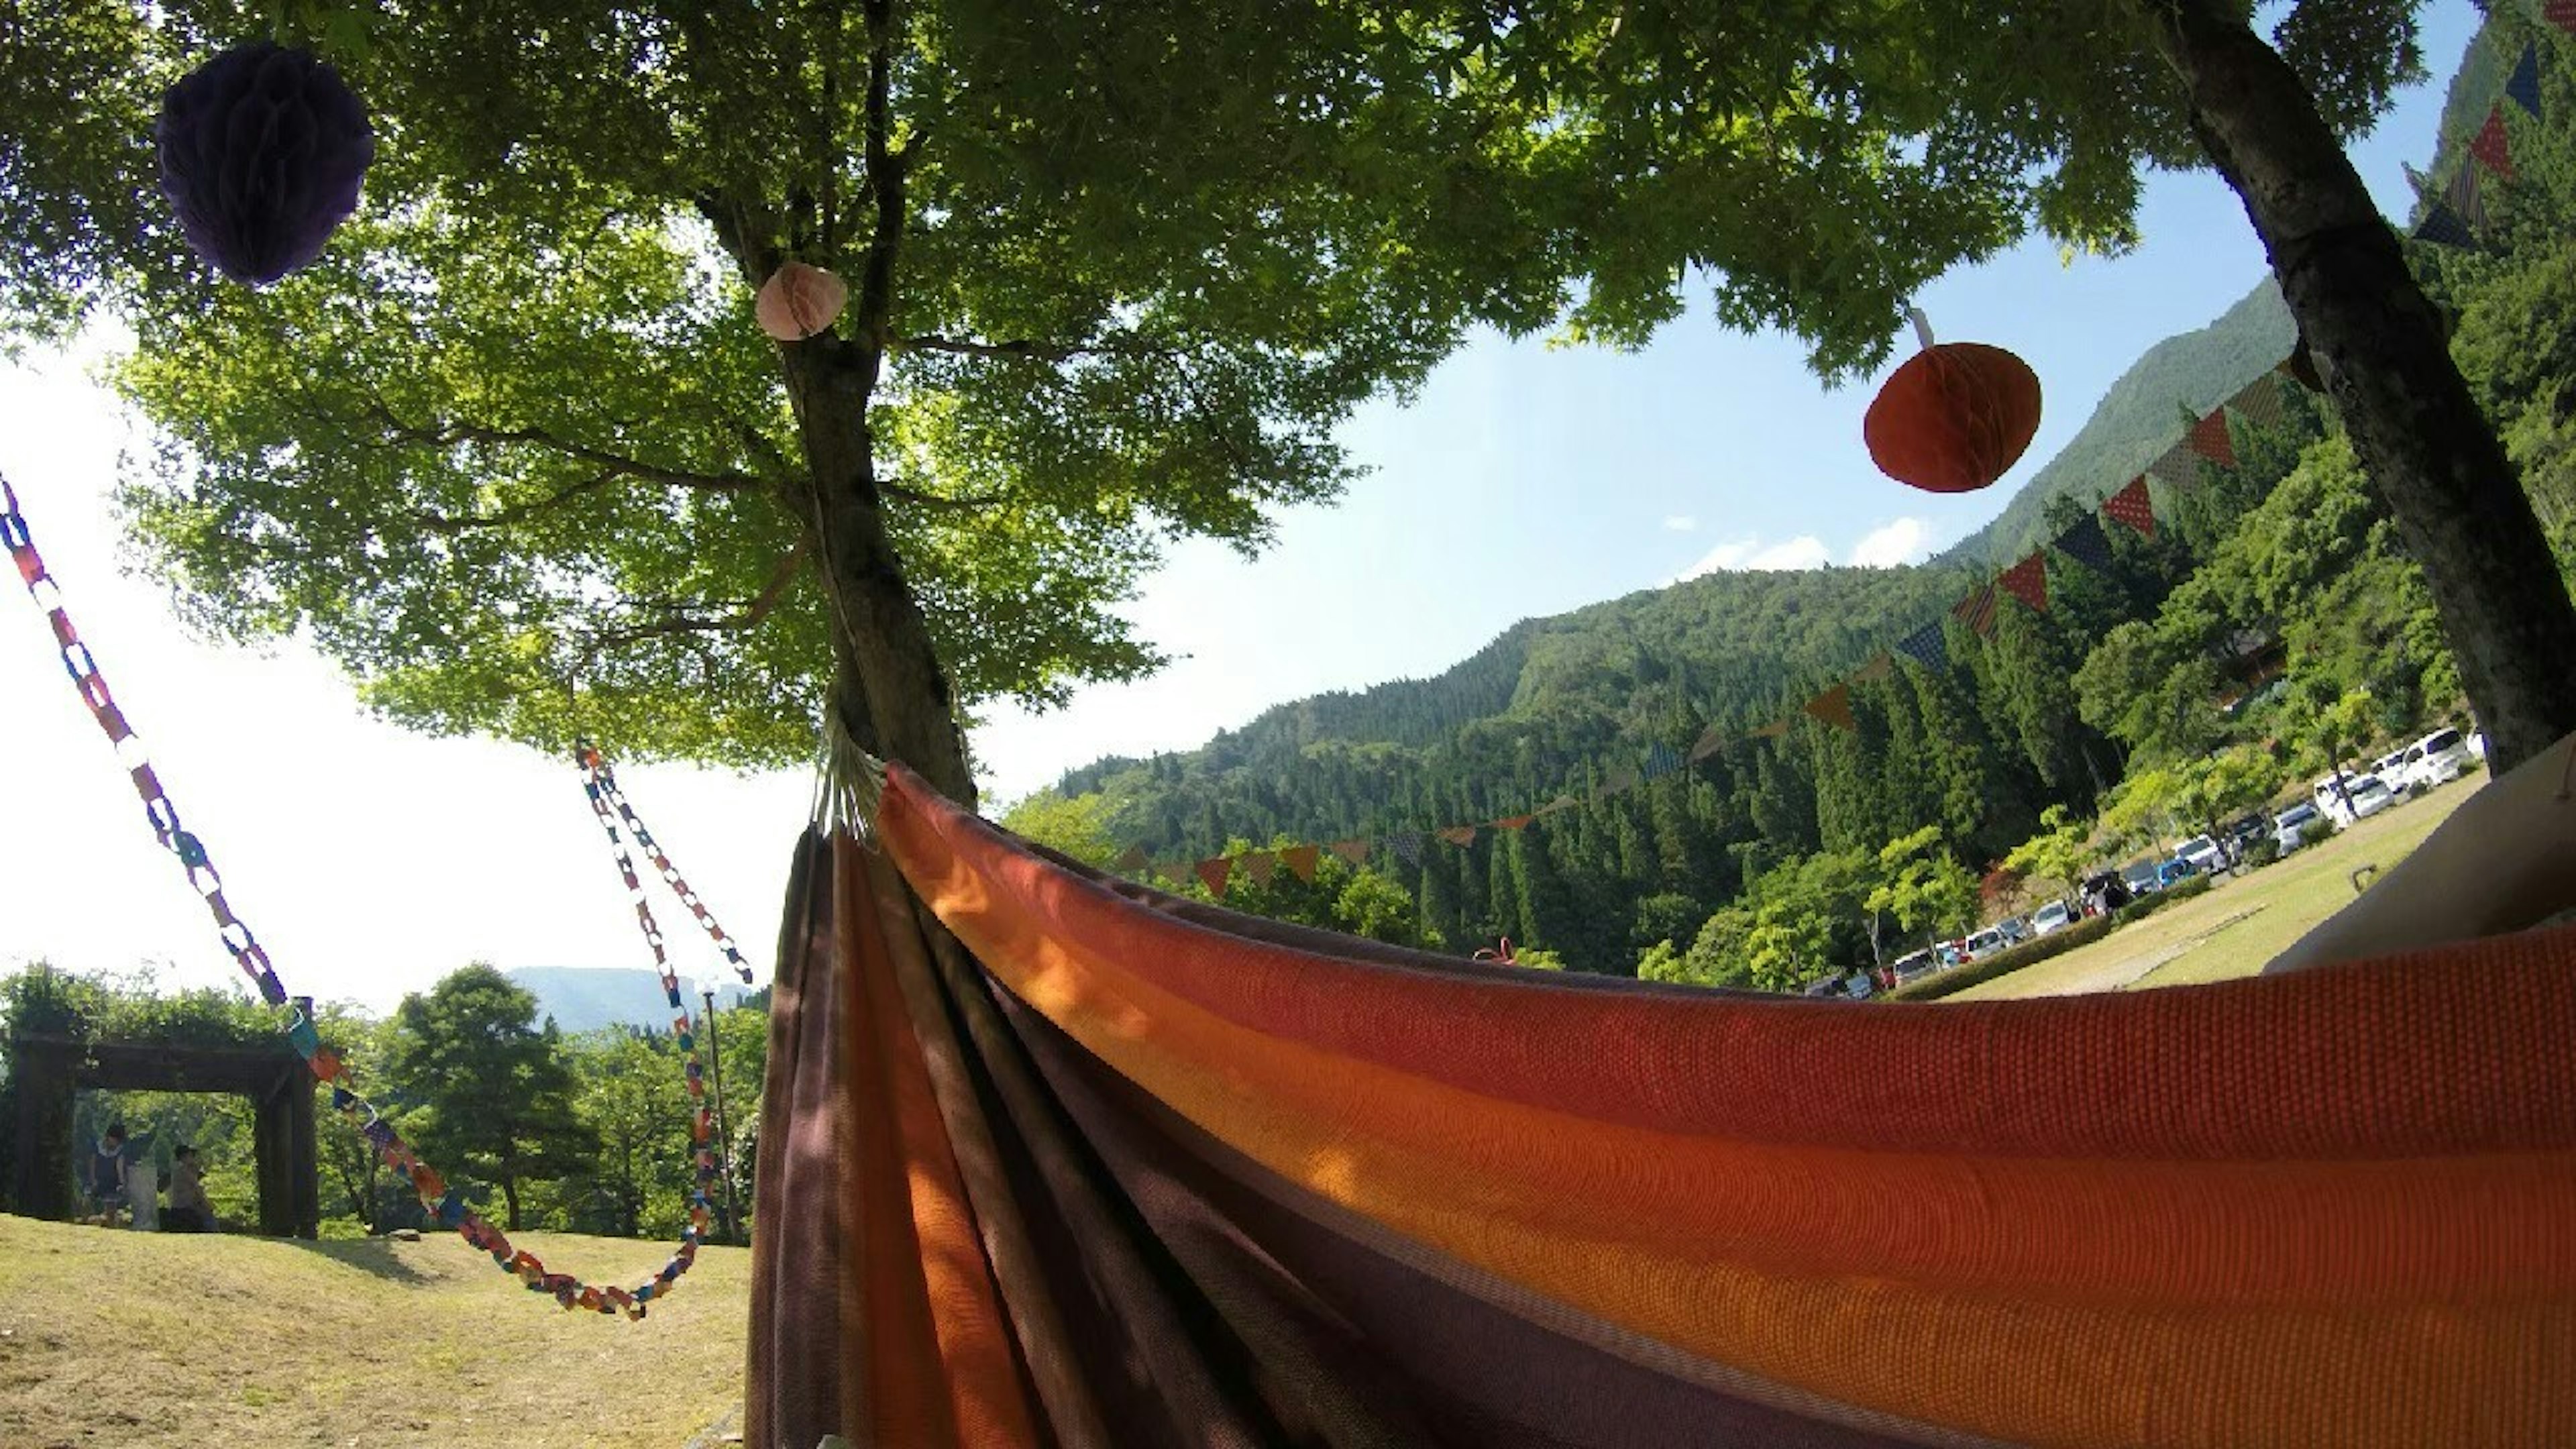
point(444, 1203)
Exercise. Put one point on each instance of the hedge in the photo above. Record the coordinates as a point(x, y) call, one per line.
point(2056, 943)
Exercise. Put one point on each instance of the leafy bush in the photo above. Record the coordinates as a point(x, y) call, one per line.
point(1987, 968)
point(2265, 850)
point(2321, 828)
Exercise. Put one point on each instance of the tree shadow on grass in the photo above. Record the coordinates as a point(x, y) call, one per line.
point(372, 1256)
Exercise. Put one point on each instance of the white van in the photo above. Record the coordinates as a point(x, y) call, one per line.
point(2438, 758)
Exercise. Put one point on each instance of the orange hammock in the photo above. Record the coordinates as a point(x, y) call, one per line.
point(1127, 1170)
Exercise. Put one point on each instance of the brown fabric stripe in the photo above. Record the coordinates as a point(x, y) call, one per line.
point(1045, 1360)
point(1478, 1373)
point(802, 1363)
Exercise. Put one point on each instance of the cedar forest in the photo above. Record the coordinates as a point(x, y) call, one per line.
point(2271, 624)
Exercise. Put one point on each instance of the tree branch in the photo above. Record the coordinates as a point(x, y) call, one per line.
point(1025, 349)
point(503, 517)
point(885, 180)
point(445, 435)
point(681, 621)
point(892, 489)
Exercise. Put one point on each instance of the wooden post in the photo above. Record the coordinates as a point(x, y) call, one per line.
point(303, 1157)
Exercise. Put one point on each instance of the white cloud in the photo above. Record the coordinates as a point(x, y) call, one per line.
point(1906, 540)
point(1680, 522)
point(1803, 552)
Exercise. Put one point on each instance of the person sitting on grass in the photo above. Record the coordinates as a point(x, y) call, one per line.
point(189, 1210)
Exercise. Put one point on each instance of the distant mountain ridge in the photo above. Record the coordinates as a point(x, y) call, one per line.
point(1726, 645)
point(587, 998)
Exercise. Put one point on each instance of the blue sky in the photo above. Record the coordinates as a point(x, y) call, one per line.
point(1522, 481)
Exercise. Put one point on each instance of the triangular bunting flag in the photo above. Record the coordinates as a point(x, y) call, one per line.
point(1926, 646)
point(2209, 439)
point(1407, 846)
point(2524, 84)
point(1710, 741)
point(2132, 506)
point(2490, 146)
point(2561, 13)
point(2028, 581)
point(1354, 851)
point(1213, 873)
point(2442, 227)
point(1132, 861)
point(1661, 760)
point(1977, 610)
point(1772, 731)
point(1301, 861)
point(1834, 707)
point(2259, 402)
point(1259, 865)
point(2086, 543)
point(1173, 873)
point(2467, 199)
point(1514, 822)
point(1619, 781)
point(2179, 465)
point(1560, 803)
point(1461, 836)
point(1880, 665)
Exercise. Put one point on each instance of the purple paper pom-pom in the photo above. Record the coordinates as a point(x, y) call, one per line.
point(262, 149)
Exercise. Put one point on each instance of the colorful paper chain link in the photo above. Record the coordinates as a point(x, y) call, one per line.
point(444, 1203)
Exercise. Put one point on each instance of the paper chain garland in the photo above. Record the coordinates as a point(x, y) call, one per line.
point(446, 1204)
point(2207, 440)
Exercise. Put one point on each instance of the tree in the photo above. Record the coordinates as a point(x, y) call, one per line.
point(1817, 166)
point(2210, 789)
point(630, 1097)
point(486, 1091)
point(1921, 885)
point(2056, 855)
point(513, 453)
point(348, 1159)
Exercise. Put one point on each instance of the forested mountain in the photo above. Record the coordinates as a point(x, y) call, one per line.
point(2271, 622)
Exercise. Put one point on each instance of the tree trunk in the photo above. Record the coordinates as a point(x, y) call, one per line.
point(510, 1201)
point(2378, 341)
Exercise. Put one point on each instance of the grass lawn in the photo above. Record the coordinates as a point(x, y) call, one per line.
point(144, 1339)
point(2241, 923)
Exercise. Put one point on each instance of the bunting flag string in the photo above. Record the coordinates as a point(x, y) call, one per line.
point(1213, 873)
point(2210, 440)
point(2467, 197)
point(1927, 646)
point(1259, 865)
point(2561, 13)
point(1132, 860)
point(2523, 87)
point(2133, 506)
point(2028, 581)
point(1711, 740)
point(1661, 760)
point(1977, 610)
point(1354, 851)
point(2178, 465)
point(2490, 146)
point(2084, 542)
point(2259, 401)
point(1776, 729)
point(2443, 227)
point(1880, 666)
point(1460, 836)
point(1834, 708)
point(1407, 846)
point(1302, 861)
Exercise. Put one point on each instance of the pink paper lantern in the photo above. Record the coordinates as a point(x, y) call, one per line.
point(799, 301)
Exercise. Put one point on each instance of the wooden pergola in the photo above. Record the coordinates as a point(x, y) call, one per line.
point(49, 1069)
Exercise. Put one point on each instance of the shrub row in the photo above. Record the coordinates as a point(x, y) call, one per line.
point(2172, 895)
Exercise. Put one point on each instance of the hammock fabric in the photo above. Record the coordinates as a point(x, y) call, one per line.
point(1126, 1170)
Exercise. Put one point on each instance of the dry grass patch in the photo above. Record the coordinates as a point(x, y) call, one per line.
point(152, 1340)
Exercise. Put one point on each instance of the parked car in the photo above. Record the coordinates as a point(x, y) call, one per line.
point(1914, 966)
point(1986, 943)
point(2290, 826)
point(2051, 917)
point(1858, 987)
point(2202, 854)
point(2016, 929)
point(2328, 799)
point(2108, 892)
point(2370, 795)
point(2242, 832)
point(2438, 758)
point(1823, 986)
point(2141, 879)
point(2174, 872)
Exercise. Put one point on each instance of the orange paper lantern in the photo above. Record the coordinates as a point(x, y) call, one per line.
point(799, 301)
point(1953, 418)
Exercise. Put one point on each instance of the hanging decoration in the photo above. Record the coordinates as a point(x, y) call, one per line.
point(1977, 610)
point(2028, 581)
point(2209, 439)
point(1302, 861)
point(1834, 708)
point(2443, 227)
point(1460, 836)
point(2259, 402)
point(1259, 865)
point(1213, 874)
point(2133, 506)
point(1954, 418)
point(1926, 646)
point(2086, 543)
point(2491, 147)
point(262, 151)
point(2561, 13)
point(799, 301)
point(2524, 84)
